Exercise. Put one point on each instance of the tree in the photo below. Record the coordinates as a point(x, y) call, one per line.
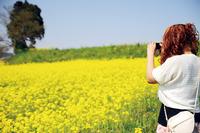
point(1, 49)
point(4, 16)
point(4, 45)
point(26, 25)
point(4, 20)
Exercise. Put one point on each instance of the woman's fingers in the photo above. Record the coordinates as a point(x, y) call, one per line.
point(161, 129)
point(151, 47)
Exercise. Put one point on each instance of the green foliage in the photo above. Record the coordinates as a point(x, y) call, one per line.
point(26, 25)
point(104, 52)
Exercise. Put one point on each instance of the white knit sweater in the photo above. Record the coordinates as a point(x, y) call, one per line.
point(177, 78)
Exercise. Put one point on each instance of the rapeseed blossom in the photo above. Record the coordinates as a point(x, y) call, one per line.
point(73, 96)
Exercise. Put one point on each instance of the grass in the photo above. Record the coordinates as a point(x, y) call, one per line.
point(103, 52)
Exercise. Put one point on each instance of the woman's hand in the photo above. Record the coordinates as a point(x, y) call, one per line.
point(151, 48)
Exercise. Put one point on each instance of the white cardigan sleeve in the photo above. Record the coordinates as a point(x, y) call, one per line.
point(165, 72)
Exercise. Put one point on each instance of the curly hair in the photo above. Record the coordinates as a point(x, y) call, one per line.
point(177, 38)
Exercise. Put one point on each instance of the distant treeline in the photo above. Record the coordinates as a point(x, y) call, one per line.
point(101, 52)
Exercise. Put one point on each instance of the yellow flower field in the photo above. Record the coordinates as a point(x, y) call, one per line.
point(78, 96)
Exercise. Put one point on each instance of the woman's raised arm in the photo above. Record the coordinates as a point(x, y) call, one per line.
point(150, 63)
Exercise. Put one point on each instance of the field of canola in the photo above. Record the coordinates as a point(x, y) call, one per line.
point(110, 96)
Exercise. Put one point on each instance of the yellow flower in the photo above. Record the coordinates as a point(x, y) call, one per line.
point(138, 130)
point(72, 95)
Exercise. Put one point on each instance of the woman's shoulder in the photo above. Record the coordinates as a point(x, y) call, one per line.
point(177, 60)
point(183, 57)
point(172, 58)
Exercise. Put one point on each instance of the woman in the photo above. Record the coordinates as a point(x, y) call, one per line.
point(178, 73)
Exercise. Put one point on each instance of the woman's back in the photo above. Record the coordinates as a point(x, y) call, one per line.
point(178, 77)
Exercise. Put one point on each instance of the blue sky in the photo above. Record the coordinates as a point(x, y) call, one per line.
point(85, 23)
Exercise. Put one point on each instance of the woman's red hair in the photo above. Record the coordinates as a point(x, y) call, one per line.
point(177, 38)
